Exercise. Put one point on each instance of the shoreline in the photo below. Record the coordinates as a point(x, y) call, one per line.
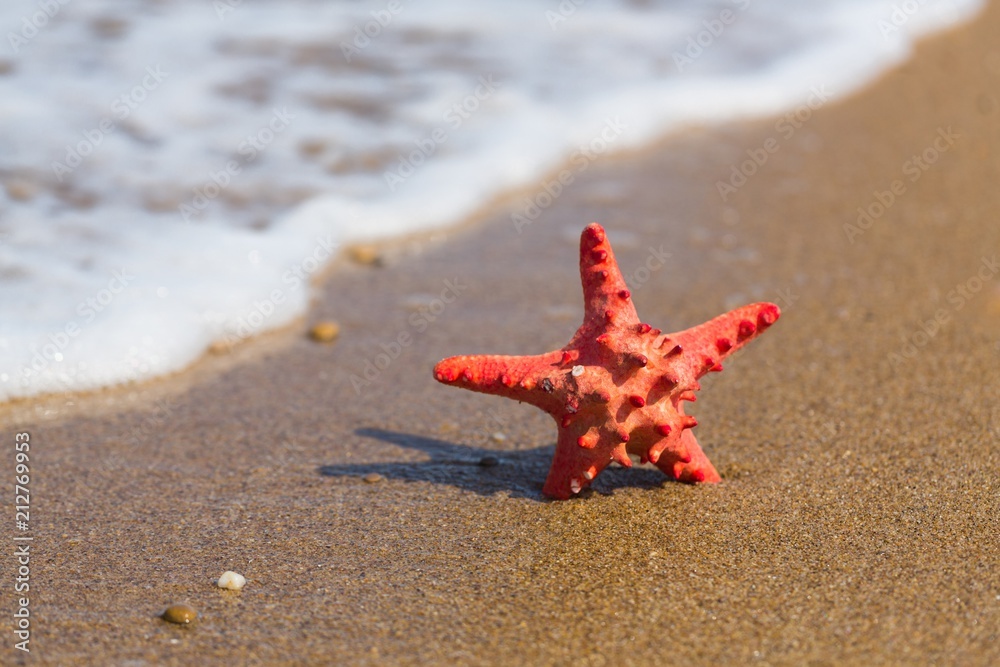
point(785, 125)
point(214, 360)
point(859, 495)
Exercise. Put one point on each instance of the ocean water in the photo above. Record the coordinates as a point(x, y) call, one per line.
point(174, 171)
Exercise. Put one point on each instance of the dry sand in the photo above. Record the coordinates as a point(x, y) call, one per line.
point(857, 522)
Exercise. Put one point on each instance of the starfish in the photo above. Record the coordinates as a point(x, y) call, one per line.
point(619, 386)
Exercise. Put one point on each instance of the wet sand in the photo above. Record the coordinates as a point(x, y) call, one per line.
point(859, 439)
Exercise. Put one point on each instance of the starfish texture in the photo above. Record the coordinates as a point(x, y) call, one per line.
point(618, 387)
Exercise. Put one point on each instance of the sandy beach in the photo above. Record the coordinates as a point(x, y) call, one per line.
point(858, 440)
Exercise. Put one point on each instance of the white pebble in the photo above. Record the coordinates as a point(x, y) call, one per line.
point(577, 371)
point(234, 581)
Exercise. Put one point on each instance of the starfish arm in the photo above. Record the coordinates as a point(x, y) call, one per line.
point(531, 379)
point(696, 469)
point(578, 461)
point(703, 347)
point(606, 299)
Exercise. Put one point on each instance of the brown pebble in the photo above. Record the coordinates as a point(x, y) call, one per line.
point(220, 347)
point(108, 27)
point(21, 190)
point(489, 461)
point(181, 614)
point(312, 147)
point(161, 202)
point(373, 478)
point(325, 332)
point(365, 254)
point(78, 199)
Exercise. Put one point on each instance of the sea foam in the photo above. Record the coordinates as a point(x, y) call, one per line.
point(175, 172)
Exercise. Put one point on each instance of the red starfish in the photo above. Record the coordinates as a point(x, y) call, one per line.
point(618, 386)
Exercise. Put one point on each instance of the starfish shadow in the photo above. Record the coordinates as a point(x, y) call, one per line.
point(519, 472)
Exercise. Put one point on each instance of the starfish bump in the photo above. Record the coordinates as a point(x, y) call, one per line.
point(619, 386)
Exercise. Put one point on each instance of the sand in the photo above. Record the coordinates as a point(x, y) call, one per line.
point(859, 439)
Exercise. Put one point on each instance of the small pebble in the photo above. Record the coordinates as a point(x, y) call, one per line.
point(325, 332)
point(373, 478)
point(181, 614)
point(108, 27)
point(220, 347)
point(489, 461)
point(20, 190)
point(365, 254)
point(234, 581)
point(498, 437)
point(312, 147)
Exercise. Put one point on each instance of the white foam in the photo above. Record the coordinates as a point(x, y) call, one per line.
point(104, 280)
